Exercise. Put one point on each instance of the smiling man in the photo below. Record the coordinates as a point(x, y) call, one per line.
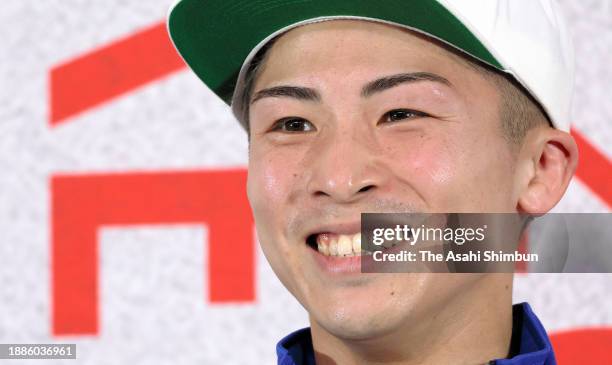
point(391, 106)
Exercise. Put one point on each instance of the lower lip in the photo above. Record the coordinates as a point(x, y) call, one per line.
point(351, 264)
point(342, 264)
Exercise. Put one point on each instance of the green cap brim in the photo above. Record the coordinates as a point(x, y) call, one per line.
point(215, 37)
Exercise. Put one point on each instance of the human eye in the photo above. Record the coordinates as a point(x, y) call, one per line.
point(292, 125)
point(401, 114)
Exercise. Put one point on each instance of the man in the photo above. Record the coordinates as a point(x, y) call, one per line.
point(390, 106)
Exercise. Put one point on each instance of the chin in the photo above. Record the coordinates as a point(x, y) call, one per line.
point(359, 319)
point(368, 327)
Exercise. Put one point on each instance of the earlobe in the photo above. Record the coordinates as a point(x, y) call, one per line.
point(553, 156)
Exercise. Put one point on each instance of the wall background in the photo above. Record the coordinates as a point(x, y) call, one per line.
point(87, 90)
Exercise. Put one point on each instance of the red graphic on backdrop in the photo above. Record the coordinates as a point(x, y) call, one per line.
point(594, 168)
point(583, 346)
point(111, 71)
point(83, 204)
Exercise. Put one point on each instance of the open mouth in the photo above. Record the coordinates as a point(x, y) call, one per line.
point(342, 245)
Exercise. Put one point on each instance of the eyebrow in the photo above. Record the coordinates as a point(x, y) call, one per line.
point(388, 82)
point(297, 92)
point(373, 87)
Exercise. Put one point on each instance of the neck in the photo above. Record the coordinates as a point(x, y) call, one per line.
point(471, 328)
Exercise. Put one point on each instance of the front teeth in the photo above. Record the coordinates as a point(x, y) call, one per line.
point(339, 244)
point(324, 249)
point(345, 245)
point(357, 243)
point(333, 248)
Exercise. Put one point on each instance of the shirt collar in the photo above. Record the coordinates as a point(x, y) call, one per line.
point(530, 343)
point(296, 349)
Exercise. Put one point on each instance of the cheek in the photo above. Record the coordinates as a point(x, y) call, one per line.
point(269, 186)
point(453, 173)
point(432, 166)
point(271, 180)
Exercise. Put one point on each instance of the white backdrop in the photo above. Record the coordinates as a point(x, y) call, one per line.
point(152, 302)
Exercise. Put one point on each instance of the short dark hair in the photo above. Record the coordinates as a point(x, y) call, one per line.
point(519, 111)
point(251, 75)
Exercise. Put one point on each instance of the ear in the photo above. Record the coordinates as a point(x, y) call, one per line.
point(547, 162)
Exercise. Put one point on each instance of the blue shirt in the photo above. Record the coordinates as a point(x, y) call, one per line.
point(529, 345)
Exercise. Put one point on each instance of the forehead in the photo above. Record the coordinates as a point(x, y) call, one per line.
point(334, 48)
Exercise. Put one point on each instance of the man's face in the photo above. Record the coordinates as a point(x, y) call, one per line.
point(428, 140)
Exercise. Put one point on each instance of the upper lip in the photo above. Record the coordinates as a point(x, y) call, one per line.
point(349, 227)
point(354, 226)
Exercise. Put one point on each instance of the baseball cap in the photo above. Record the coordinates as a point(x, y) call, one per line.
point(526, 39)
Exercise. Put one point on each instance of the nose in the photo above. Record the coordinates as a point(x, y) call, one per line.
point(345, 168)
